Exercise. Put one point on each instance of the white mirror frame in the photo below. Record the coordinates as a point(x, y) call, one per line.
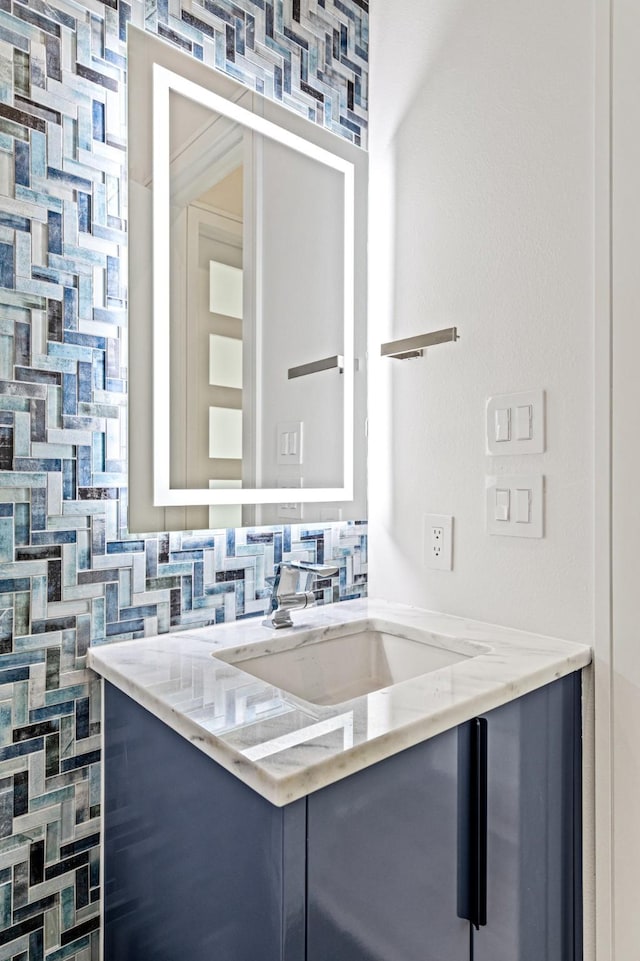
point(165, 81)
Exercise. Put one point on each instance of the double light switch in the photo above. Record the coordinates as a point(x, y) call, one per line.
point(514, 505)
point(515, 423)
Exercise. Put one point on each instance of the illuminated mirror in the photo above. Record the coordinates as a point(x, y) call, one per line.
point(247, 289)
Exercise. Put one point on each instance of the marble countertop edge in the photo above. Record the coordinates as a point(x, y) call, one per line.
point(153, 671)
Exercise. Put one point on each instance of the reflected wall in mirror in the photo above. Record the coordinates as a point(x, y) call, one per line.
point(248, 297)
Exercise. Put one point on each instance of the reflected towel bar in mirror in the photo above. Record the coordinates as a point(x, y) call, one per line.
point(327, 363)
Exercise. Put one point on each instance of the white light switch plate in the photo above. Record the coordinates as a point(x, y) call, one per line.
point(515, 505)
point(515, 423)
point(438, 542)
point(289, 441)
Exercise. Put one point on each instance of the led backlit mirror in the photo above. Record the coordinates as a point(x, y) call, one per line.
point(247, 300)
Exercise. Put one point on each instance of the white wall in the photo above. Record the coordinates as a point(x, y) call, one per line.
point(481, 212)
point(625, 687)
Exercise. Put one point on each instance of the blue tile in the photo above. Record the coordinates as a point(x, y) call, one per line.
point(36, 945)
point(277, 549)
point(74, 947)
point(84, 340)
point(22, 748)
point(56, 710)
point(84, 556)
point(124, 627)
point(125, 547)
point(69, 394)
point(124, 16)
point(69, 480)
point(38, 509)
point(84, 212)
point(151, 558)
point(98, 369)
point(15, 223)
point(14, 39)
point(84, 382)
point(98, 117)
point(113, 278)
point(70, 311)
point(83, 634)
point(141, 610)
point(198, 541)
point(6, 266)
point(186, 555)
point(13, 584)
point(109, 55)
point(111, 594)
point(231, 542)
point(54, 537)
point(84, 473)
point(98, 536)
point(198, 579)
point(97, 452)
point(6, 540)
point(65, 351)
point(68, 907)
point(54, 223)
point(82, 719)
point(37, 464)
point(22, 524)
point(71, 179)
point(186, 586)
point(5, 906)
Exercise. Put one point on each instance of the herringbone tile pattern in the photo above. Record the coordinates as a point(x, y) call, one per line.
point(70, 574)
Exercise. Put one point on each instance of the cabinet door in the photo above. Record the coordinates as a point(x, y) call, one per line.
point(198, 867)
point(382, 881)
point(534, 828)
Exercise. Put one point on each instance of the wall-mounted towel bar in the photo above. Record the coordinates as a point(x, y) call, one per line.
point(414, 346)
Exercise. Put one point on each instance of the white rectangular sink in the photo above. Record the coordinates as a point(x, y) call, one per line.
point(331, 665)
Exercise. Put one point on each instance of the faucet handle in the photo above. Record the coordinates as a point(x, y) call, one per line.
point(285, 595)
point(320, 570)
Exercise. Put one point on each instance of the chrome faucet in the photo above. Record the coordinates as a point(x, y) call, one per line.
point(285, 596)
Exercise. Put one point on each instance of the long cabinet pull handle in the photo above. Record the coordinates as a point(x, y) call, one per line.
point(478, 824)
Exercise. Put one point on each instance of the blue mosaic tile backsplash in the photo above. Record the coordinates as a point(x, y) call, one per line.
point(70, 574)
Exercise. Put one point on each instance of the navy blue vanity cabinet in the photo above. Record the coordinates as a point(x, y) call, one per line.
point(382, 868)
point(389, 864)
point(197, 866)
point(534, 821)
point(392, 858)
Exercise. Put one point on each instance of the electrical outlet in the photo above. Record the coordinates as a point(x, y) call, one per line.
point(437, 538)
point(438, 542)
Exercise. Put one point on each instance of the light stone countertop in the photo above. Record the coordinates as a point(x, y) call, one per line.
point(284, 747)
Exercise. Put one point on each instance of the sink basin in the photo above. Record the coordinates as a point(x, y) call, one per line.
point(329, 665)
